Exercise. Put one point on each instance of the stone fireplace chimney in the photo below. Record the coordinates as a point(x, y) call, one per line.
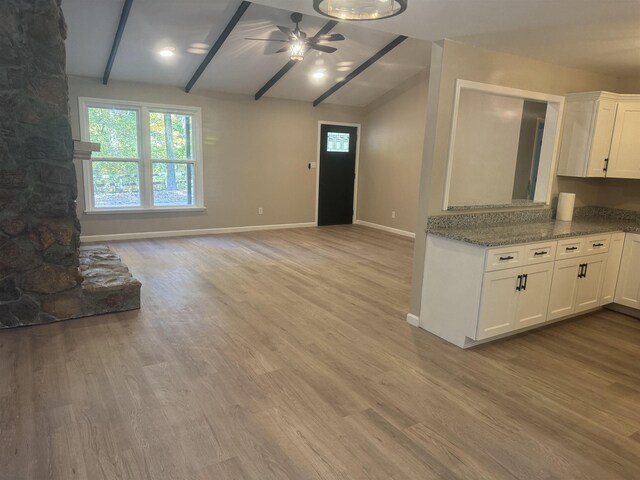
point(40, 280)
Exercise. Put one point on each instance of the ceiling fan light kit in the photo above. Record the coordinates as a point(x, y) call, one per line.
point(360, 10)
point(297, 43)
point(296, 50)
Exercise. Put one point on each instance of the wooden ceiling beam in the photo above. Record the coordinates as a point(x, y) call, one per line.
point(387, 48)
point(290, 64)
point(126, 8)
point(216, 46)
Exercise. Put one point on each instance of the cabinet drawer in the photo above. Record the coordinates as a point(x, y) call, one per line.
point(505, 257)
point(540, 252)
point(570, 247)
point(597, 244)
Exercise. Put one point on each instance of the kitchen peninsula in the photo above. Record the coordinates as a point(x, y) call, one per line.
point(490, 275)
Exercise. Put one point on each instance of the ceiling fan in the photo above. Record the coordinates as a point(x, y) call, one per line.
point(298, 42)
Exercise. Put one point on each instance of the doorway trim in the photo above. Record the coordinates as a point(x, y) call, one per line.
point(358, 127)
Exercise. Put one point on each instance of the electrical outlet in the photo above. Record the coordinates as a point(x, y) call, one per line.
point(393, 214)
point(260, 211)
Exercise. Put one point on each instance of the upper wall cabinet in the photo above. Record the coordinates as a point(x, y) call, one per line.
point(600, 136)
point(624, 157)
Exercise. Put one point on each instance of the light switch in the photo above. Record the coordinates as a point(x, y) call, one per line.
point(313, 165)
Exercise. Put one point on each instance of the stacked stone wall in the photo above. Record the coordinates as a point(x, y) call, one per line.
point(39, 230)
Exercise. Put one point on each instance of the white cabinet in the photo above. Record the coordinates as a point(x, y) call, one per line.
point(628, 287)
point(586, 135)
point(514, 298)
point(506, 257)
point(624, 158)
point(540, 252)
point(599, 136)
point(533, 299)
point(569, 248)
point(577, 285)
point(498, 304)
point(613, 267)
point(564, 288)
point(590, 283)
point(603, 129)
point(472, 293)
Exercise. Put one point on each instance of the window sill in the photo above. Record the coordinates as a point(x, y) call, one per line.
point(116, 211)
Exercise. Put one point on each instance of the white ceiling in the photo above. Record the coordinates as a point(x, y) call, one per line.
point(597, 35)
point(240, 66)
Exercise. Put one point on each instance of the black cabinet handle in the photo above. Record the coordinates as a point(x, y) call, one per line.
point(540, 253)
point(586, 267)
point(502, 259)
point(570, 249)
point(525, 277)
point(606, 165)
point(598, 244)
point(583, 270)
point(519, 284)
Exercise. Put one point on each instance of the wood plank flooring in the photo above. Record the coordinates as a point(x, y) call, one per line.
point(286, 355)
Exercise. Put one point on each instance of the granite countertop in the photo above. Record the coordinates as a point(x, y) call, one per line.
point(535, 229)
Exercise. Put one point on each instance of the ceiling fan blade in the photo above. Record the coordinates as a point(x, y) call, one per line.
point(267, 39)
point(286, 30)
point(283, 49)
point(330, 37)
point(323, 48)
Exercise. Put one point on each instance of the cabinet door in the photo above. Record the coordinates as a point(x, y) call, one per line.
point(562, 301)
point(628, 288)
point(497, 306)
point(590, 285)
point(613, 267)
point(601, 137)
point(533, 299)
point(624, 159)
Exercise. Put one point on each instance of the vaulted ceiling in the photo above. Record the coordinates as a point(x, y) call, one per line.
point(240, 66)
point(596, 35)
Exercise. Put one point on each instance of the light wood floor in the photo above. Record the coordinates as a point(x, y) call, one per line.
point(285, 354)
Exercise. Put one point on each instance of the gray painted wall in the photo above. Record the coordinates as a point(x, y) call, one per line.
point(255, 155)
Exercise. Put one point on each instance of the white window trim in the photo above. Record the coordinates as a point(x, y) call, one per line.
point(144, 149)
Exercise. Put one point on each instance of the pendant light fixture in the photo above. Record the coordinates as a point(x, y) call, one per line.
point(360, 9)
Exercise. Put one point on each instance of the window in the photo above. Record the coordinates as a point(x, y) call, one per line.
point(337, 142)
point(150, 156)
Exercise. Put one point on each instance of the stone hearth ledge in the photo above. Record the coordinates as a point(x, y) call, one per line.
point(107, 284)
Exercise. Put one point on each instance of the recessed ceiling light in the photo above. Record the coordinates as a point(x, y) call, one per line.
point(199, 45)
point(197, 51)
point(343, 69)
point(167, 52)
point(318, 74)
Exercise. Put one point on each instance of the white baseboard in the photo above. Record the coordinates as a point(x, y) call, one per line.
point(397, 231)
point(190, 233)
point(413, 320)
